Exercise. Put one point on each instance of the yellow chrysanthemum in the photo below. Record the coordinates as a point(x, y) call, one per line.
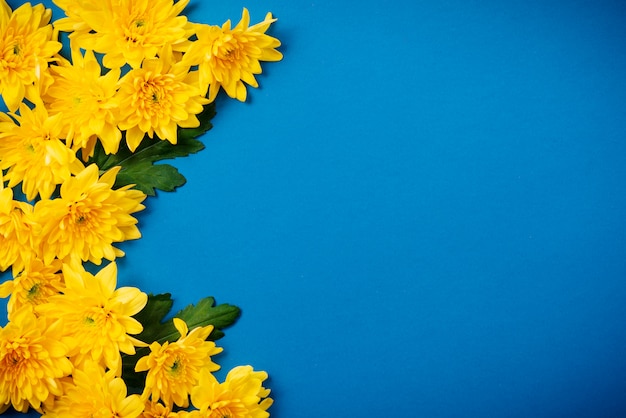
point(73, 22)
point(158, 410)
point(129, 31)
point(18, 231)
point(158, 98)
point(33, 285)
point(94, 393)
point(85, 98)
point(26, 47)
point(32, 361)
point(96, 318)
point(88, 217)
point(174, 368)
point(34, 153)
point(242, 395)
point(228, 58)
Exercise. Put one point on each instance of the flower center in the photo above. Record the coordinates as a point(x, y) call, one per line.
point(176, 368)
point(153, 96)
point(16, 353)
point(89, 321)
point(79, 214)
point(135, 31)
point(34, 291)
point(228, 50)
point(12, 55)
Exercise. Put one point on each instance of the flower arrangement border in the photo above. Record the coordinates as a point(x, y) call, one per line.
point(78, 148)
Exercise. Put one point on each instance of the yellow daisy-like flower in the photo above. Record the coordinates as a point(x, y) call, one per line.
point(33, 285)
point(34, 153)
point(158, 410)
point(26, 47)
point(242, 395)
point(228, 58)
point(19, 231)
point(85, 98)
point(129, 31)
point(88, 217)
point(94, 393)
point(158, 98)
point(96, 317)
point(174, 368)
point(73, 22)
point(32, 361)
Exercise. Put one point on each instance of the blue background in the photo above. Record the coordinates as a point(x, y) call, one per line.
point(420, 211)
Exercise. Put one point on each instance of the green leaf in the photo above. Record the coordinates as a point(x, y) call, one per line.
point(138, 167)
point(202, 314)
point(153, 314)
point(148, 177)
point(205, 313)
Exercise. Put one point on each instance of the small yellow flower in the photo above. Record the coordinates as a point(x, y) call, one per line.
point(34, 152)
point(88, 217)
point(33, 285)
point(158, 98)
point(158, 410)
point(94, 393)
point(32, 361)
point(228, 58)
point(242, 395)
point(18, 231)
point(85, 99)
point(26, 47)
point(129, 31)
point(96, 317)
point(174, 368)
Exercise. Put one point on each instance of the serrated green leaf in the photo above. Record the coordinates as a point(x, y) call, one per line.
point(147, 177)
point(202, 314)
point(205, 313)
point(153, 314)
point(138, 167)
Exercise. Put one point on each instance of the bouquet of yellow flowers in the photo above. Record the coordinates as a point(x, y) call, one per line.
point(94, 99)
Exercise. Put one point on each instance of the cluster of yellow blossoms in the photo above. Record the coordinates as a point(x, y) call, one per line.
point(136, 69)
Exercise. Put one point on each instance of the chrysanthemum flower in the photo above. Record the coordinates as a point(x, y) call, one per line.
point(88, 217)
point(158, 410)
point(33, 285)
point(32, 361)
point(242, 395)
point(18, 231)
point(129, 31)
point(34, 153)
point(228, 58)
point(158, 98)
point(73, 22)
point(26, 47)
point(174, 368)
point(85, 98)
point(96, 317)
point(94, 393)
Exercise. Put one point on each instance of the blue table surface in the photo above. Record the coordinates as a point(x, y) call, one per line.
point(420, 211)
